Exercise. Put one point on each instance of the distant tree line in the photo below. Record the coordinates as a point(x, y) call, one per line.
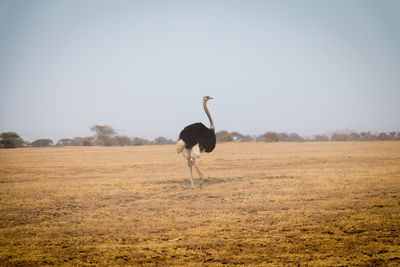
point(105, 135)
point(225, 136)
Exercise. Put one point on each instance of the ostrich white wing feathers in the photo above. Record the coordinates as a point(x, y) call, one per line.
point(193, 152)
point(180, 146)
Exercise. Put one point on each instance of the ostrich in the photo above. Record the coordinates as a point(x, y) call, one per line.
point(195, 139)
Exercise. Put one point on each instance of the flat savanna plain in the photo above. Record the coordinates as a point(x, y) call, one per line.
point(261, 204)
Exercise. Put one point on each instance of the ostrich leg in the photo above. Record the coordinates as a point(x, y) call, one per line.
point(191, 173)
point(200, 174)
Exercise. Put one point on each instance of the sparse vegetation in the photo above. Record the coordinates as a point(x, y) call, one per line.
point(83, 141)
point(123, 140)
point(285, 204)
point(10, 140)
point(321, 138)
point(42, 143)
point(163, 141)
point(224, 136)
point(64, 142)
point(269, 137)
point(106, 136)
point(137, 141)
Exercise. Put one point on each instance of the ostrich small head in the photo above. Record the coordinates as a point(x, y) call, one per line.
point(206, 98)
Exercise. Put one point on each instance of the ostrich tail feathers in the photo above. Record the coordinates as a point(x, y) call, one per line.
point(180, 146)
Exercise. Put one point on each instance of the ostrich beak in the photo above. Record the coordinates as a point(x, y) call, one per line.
point(210, 97)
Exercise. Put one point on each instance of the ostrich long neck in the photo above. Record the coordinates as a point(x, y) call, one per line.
point(208, 115)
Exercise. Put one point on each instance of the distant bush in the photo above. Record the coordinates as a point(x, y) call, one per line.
point(137, 141)
point(339, 137)
point(247, 138)
point(236, 136)
point(354, 137)
point(10, 140)
point(294, 137)
point(104, 135)
point(269, 137)
point(83, 141)
point(321, 138)
point(163, 141)
point(122, 140)
point(223, 136)
point(283, 137)
point(64, 142)
point(383, 137)
point(368, 136)
point(42, 143)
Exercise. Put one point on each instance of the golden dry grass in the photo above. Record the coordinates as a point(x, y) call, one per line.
point(262, 204)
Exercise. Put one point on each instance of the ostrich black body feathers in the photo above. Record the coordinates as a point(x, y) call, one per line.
point(197, 133)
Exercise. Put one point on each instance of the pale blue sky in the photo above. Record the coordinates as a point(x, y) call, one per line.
point(142, 67)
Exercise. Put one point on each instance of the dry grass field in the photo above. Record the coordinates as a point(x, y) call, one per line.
point(324, 204)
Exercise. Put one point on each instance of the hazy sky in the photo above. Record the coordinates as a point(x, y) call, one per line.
point(142, 67)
